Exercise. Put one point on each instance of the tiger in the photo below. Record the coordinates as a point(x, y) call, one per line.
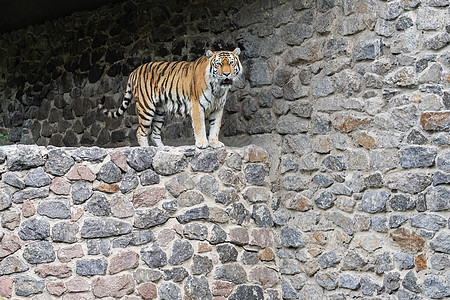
point(198, 89)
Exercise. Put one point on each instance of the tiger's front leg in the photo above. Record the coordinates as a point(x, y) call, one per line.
point(215, 120)
point(198, 123)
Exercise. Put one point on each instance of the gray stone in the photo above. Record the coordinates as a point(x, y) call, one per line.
point(153, 256)
point(201, 265)
point(190, 198)
point(13, 180)
point(353, 261)
point(288, 291)
point(91, 154)
point(436, 286)
point(55, 209)
point(324, 180)
point(294, 33)
point(374, 201)
point(234, 273)
point(369, 287)
point(110, 173)
point(218, 235)
point(24, 159)
point(255, 173)
point(148, 218)
point(169, 291)
point(26, 286)
point(134, 239)
point(401, 202)
point(295, 182)
point(429, 19)
point(328, 281)
point(438, 198)
point(177, 274)
point(205, 161)
point(129, 181)
point(91, 266)
point(405, 295)
point(104, 227)
point(367, 48)
point(373, 181)
point(182, 250)
point(98, 205)
point(81, 192)
point(440, 261)
point(441, 243)
point(396, 221)
point(121, 207)
point(349, 281)
point(5, 199)
point(146, 275)
point(334, 163)
point(289, 266)
point(340, 189)
point(165, 163)
point(199, 213)
point(195, 231)
point(58, 162)
point(34, 229)
point(383, 263)
point(149, 177)
point(37, 178)
point(10, 219)
point(30, 193)
point(65, 232)
point(250, 258)
point(428, 221)
point(410, 182)
point(238, 213)
point(197, 288)
point(344, 222)
point(179, 183)
point(227, 253)
point(291, 237)
point(322, 86)
point(39, 252)
point(391, 10)
point(262, 216)
point(328, 260)
point(384, 159)
point(256, 194)
point(324, 199)
point(208, 184)
point(170, 206)
point(140, 158)
point(12, 264)
point(234, 161)
point(417, 156)
point(391, 282)
point(248, 292)
point(441, 178)
point(379, 223)
point(410, 282)
point(404, 261)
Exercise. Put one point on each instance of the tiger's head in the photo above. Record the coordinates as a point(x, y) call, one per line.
point(224, 66)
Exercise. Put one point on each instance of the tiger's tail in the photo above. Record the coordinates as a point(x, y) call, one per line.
point(125, 103)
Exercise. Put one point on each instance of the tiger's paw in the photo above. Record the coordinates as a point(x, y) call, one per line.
point(201, 144)
point(216, 144)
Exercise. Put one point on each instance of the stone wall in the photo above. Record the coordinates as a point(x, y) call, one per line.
point(144, 222)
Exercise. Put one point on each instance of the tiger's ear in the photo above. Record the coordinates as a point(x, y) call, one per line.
point(209, 53)
point(237, 51)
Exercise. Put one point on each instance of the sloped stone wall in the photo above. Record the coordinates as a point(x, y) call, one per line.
point(138, 223)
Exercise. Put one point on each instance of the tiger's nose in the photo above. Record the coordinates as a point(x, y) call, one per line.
point(226, 73)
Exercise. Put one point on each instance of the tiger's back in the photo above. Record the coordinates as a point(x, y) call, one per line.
point(181, 88)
